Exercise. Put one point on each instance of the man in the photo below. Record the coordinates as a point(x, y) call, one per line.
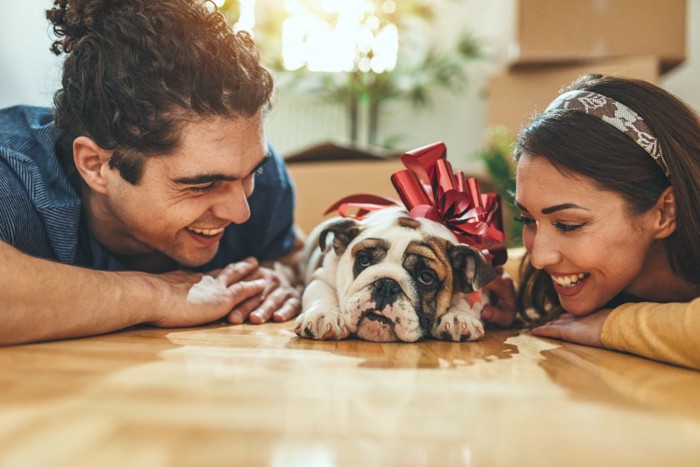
point(154, 166)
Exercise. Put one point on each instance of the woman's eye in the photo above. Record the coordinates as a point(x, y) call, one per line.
point(427, 277)
point(524, 220)
point(567, 227)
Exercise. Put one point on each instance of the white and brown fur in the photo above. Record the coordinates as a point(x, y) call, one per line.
point(389, 278)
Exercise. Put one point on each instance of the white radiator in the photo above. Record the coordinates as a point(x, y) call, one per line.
point(297, 122)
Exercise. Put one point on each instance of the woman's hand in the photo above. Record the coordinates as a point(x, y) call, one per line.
point(583, 330)
point(501, 309)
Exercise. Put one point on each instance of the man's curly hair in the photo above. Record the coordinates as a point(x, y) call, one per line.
point(137, 70)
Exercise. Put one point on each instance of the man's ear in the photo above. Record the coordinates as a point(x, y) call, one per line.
point(665, 219)
point(343, 230)
point(471, 270)
point(91, 161)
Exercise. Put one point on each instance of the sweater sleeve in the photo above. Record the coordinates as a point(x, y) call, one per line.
point(668, 332)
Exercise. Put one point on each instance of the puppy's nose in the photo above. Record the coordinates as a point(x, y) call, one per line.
point(385, 292)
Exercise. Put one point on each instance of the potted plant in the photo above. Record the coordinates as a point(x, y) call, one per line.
point(361, 89)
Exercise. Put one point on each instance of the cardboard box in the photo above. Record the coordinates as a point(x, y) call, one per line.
point(576, 30)
point(515, 96)
point(326, 173)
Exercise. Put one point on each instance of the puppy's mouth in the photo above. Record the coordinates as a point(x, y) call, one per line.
point(374, 315)
point(374, 326)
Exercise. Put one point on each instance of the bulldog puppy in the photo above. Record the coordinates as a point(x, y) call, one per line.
point(390, 278)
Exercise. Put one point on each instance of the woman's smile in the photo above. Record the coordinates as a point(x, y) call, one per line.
point(569, 285)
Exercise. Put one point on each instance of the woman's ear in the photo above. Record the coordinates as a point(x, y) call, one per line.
point(666, 213)
point(91, 161)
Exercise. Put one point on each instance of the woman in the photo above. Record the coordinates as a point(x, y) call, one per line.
point(608, 186)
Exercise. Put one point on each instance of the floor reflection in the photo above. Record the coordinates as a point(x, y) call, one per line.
point(614, 377)
point(425, 354)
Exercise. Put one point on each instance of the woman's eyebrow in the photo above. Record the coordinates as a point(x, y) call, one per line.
point(216, 177)
point(562, 206)
point(520, 206)
point(552, 209)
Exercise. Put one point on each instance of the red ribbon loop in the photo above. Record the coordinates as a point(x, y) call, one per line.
point(430, 189)
point(358, 206)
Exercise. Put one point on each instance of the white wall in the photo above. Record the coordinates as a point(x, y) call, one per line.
point(30, 74)
point(684, 81)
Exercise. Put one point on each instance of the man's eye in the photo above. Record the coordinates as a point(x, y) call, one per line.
point(202, 188)
point(260, 169)
point(427, 277)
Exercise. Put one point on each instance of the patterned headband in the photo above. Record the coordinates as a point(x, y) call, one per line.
point(616, 114)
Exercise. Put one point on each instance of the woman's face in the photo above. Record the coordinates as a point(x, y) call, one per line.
point(585, 238)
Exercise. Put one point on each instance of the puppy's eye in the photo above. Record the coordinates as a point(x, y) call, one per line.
point(363, 259)
point(427, 277)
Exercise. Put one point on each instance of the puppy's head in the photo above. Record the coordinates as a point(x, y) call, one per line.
point(397, 275)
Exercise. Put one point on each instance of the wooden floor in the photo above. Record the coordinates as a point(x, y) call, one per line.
point(258, 395)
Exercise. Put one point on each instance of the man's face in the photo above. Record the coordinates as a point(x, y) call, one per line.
point(185, 198)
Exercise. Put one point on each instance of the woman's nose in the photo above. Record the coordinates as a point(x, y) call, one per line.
point(543, 251)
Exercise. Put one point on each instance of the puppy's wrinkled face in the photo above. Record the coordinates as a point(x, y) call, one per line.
point(397, 277)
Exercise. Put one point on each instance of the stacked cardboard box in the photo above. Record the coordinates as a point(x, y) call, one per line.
point(329, 171)
point(555, 41)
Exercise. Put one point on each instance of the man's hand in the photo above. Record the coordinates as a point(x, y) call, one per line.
point(200, 299)
point(279, 301)
point(242, 291)
point(501, 292)
point(583, 330)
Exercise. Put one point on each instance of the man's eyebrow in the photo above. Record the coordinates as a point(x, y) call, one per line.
point(216, 177)
point(552, 209)
point(204, 178)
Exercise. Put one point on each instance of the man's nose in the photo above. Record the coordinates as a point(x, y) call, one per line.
point(233, 204)
point(543, 251)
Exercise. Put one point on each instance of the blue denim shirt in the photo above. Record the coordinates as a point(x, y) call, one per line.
point(40, 210)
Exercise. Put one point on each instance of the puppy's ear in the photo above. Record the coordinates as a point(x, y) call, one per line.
point(471, 270)
point(343, 230)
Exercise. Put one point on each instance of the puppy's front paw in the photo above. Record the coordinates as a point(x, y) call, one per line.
point(321, 324)
point(458, 326)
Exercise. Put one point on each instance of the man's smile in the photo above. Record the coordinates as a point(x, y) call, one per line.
point(206, 232)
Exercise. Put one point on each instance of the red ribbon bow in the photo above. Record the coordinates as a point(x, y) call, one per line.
point(429, 189)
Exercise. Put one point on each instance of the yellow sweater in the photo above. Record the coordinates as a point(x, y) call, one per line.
point(669, 332)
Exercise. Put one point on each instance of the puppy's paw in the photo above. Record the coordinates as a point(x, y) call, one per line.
point(458, 326)
point(321, 324)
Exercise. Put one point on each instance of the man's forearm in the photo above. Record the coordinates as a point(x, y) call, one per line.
point(43, 300)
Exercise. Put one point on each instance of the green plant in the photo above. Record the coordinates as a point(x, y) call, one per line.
point(497, 157)
point(419, 70)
